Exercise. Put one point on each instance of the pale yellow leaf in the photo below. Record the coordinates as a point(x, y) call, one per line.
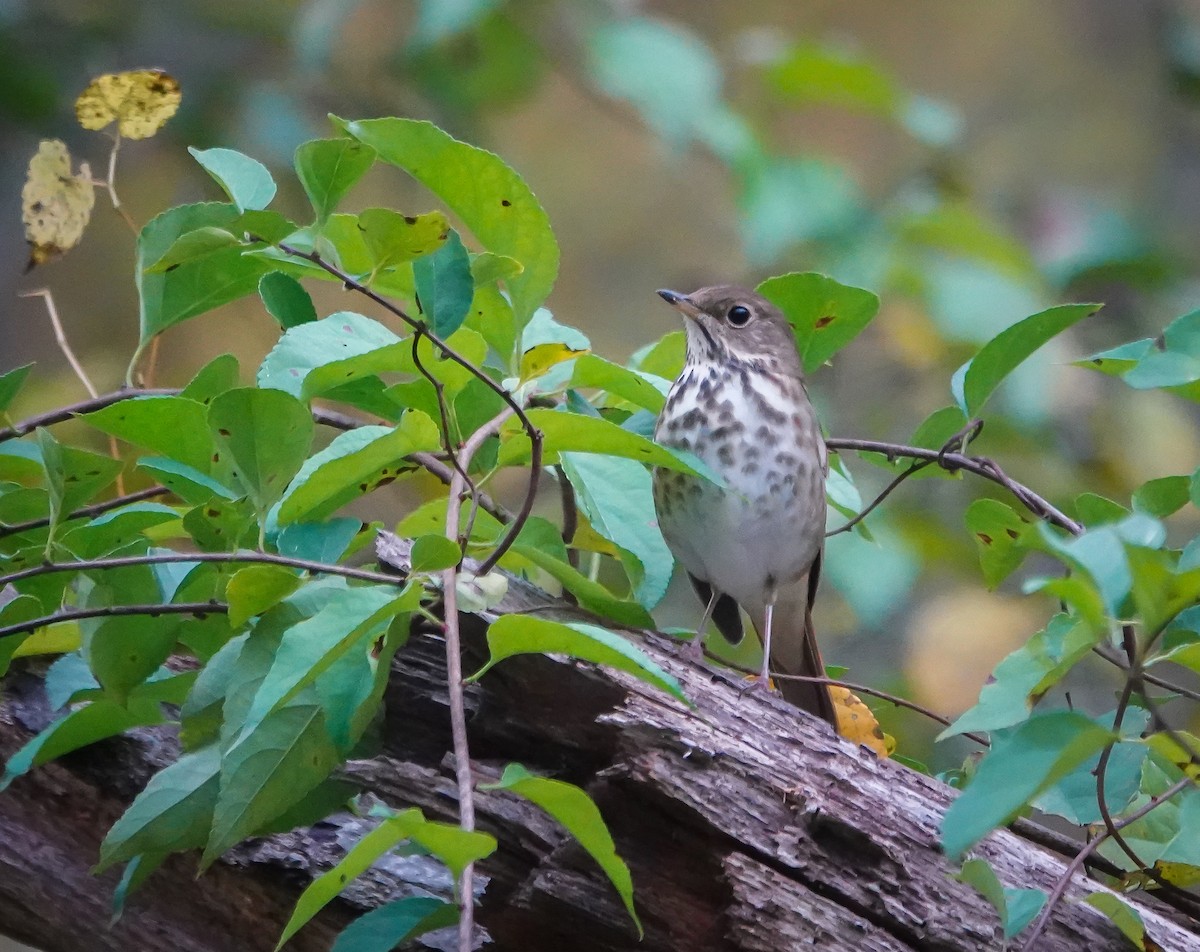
point(56, 204)
point(537, 360)
point(140, 101)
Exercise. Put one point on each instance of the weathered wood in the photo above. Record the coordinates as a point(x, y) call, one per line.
point(746, 825)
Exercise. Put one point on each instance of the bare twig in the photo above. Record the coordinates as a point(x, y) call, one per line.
point(60, 337)
point(1039, 925)
point(454, 676)
point(87, 511)
point(887, 491)
point(165, 558)
point(199, 609)
point(978, 465)
point(111, 184)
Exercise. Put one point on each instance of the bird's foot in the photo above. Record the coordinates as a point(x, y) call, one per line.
point(757, 682)
point(692, 650)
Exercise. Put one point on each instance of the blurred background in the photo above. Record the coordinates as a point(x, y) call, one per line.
point(970, 163)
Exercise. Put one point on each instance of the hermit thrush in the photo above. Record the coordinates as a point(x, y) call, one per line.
point(740, 405)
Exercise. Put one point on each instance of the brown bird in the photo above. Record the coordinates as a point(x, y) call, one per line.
point(741, 406)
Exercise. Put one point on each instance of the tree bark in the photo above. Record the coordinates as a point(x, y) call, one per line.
point(747, 825)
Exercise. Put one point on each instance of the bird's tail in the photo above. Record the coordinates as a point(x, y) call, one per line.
point(794, 651)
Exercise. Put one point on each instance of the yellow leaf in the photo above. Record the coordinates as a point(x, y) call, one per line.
point(537, 360)
point(53, 639)
point(856, 723)
point(56, 204)
point(139, 101)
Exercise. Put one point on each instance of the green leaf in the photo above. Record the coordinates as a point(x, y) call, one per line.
point(266, 434)
point(307, 346)
point(812, 73)
point(824, 314)
point(267, 771)
point(523, 634)
point(444, 285)
point(326, 887)
point(193, 246)
point(565, 432)
point(85, 725)
point(173, 812)
point(215, 377)
point(1074, 796)
point(286, 300)
point(617, 497)
point(354, 464)
point(174, 426)
point(1100, 552)
point(328, 168)
point(116, 529)
point(194, 286)
point(999, 534)
point(73, 476)
point(453, 845)
point(486, 194)
point(432, 553)
point(245, 180)
point(310, 647)
point(187, 482)
point(643, 389)
point(135, 873)
point(1122, 915)
point(392, 238)
point(1094, 509)
point(256, 588)
point(10, 385)
point(383, 929)
point(591, 594)
point(16, 611)
point(1162, 497)
point(1021, 764)
point(574, 809)
point(1002, 354)
point(1016, 907)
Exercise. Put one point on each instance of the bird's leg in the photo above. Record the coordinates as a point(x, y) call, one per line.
point(763, 681)
point(693, 649)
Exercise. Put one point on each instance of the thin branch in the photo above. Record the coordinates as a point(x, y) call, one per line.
point(535, 436)
point(60, 337)
point(1064, 880)
point(1102, 772)
point(87, 511)
point(1104, 652)
point(71, 410)
point(454, 675)
point(865, 689)
point(165, 558)
point(887, 491)
point(111, 184)
point(978, 465)
point(199, 609)
point(439, 389)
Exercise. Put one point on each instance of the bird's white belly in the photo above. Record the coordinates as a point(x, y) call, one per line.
point(765, 527)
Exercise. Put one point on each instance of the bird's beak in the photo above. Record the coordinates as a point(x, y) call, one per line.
point(681, 302)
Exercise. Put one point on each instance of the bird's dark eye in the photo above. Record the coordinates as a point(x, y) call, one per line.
point(739, 315)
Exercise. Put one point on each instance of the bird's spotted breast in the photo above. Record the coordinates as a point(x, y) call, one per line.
point(757, 431)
